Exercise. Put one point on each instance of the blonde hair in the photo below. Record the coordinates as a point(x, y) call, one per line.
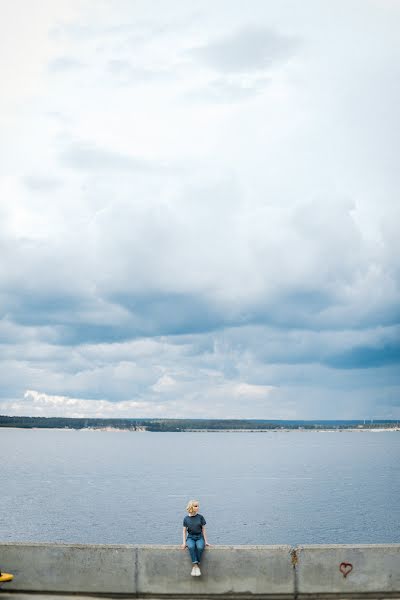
point(190, 507)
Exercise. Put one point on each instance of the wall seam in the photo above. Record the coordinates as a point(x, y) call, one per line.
point(295, 559)
point(136, 572)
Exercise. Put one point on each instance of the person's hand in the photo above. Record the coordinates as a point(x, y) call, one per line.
point(183, 546)
point(207, 544)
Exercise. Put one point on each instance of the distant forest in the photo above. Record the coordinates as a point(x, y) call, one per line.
point(186, 424)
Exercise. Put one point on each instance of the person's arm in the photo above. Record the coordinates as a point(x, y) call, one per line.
point(205, 535)
point(184, 538)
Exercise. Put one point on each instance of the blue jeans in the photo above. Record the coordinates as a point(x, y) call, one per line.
point(195, 543)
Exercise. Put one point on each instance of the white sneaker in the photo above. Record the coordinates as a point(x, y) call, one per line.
point(198, 572)
point(194, 571)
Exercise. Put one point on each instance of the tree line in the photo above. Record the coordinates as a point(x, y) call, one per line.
point(182, 424)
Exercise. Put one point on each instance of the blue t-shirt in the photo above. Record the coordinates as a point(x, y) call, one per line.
point(194, 524)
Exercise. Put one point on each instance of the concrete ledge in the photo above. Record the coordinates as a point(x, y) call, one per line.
point(70, 568)
point(281, 572)
point(226, 571)
point(375, 568)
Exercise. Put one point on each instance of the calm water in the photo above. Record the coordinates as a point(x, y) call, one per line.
point(254, 488)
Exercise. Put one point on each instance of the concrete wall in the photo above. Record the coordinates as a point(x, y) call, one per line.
point(157, 571)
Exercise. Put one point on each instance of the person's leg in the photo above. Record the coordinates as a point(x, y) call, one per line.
point(200, 548)
point(191, 544)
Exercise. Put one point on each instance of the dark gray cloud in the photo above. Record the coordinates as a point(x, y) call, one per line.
point(144, 315)
point(50, 307)
point(174, 314)
point(336, 349)
point(247, 50)
point(367, 357)
point(295, 308)
point(284, 333)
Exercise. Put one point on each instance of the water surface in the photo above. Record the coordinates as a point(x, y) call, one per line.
point(254, 488)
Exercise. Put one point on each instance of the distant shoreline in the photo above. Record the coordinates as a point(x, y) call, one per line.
point(272, 430)
point(197, 425)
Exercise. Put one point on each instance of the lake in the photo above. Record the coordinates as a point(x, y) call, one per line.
point(297, 487)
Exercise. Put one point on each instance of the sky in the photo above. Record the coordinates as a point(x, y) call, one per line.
point(199, 208)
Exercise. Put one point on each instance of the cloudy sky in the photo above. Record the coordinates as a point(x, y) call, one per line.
point(199, 208)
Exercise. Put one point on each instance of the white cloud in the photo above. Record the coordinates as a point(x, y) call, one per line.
point(37, 404)
point(164, 384)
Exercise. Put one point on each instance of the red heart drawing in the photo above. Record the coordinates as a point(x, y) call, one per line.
point(345, 568)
